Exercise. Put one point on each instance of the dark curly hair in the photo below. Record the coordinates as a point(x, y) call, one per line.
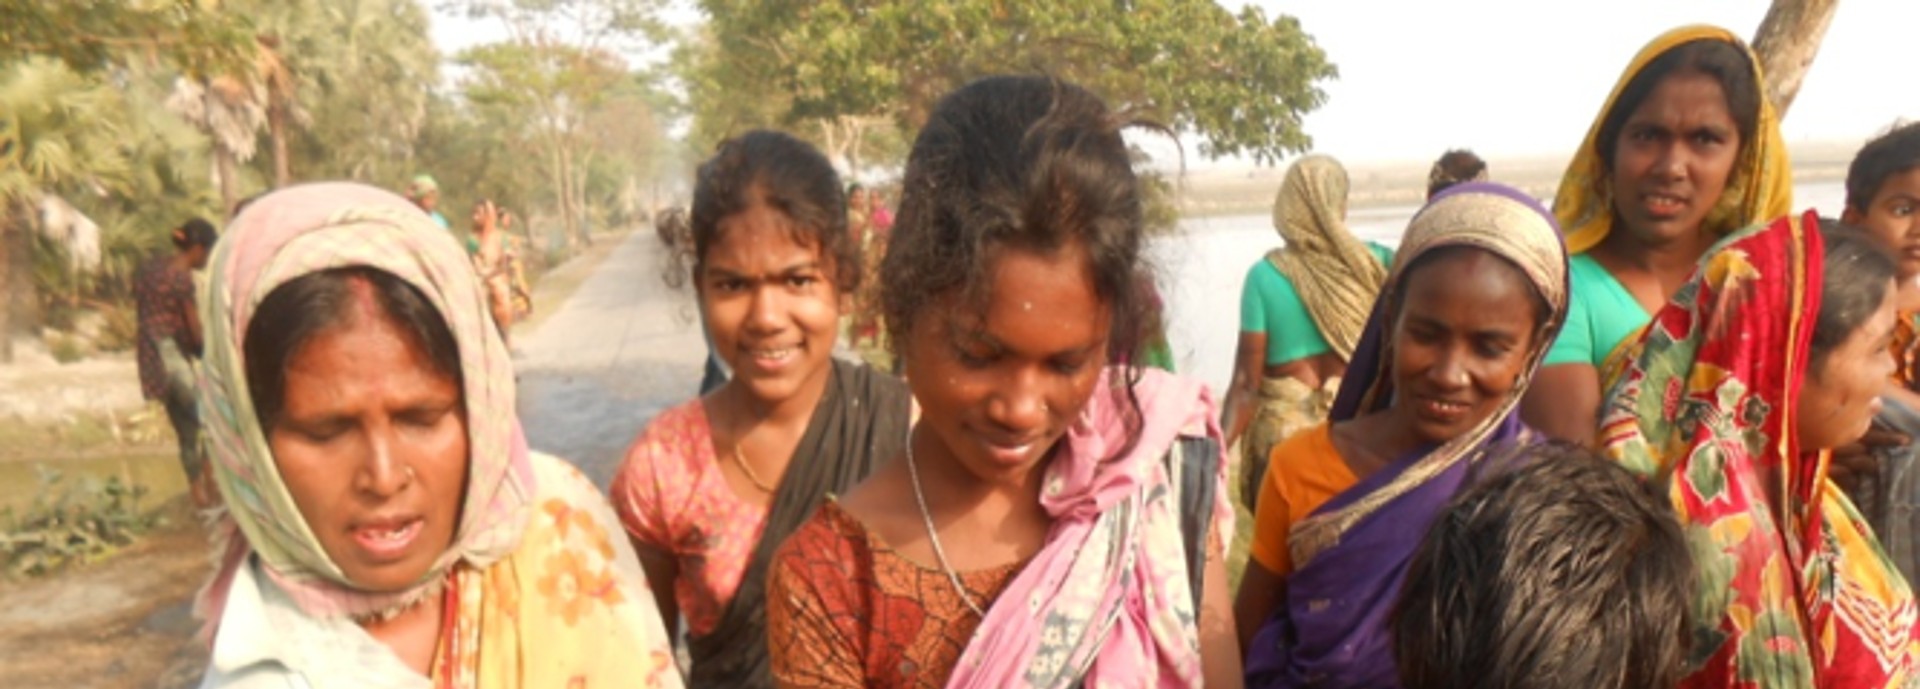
point(1889, 154)
point(303, 308)
point(1564, 572)
point(1855, 278)
point(1727, 63)
point(782, 172)
point(1021, 162)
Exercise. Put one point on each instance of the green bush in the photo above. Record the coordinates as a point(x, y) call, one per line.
point(77, 522)
point(66, 349)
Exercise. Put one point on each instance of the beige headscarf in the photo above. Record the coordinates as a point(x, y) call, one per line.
point(1335, 274)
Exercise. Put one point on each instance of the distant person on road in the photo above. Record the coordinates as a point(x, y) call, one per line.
point(1457, 166)
point(496, 265)
point(871, 223)
point(711, 486)
point(1301, 312)
point(424, 192)
point(167, 342)
point(1685, 151)
point(385, 523)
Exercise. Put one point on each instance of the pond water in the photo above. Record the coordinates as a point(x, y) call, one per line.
point(1202, 267)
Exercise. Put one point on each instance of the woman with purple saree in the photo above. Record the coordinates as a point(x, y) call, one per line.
point(1477, 293)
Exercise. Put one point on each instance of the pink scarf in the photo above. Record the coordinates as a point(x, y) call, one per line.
point(1107, 600)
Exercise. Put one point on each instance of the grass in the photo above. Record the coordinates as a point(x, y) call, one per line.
point(83, 434)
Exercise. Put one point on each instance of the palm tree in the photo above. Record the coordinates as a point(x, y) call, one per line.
point(229, 110)
point(61, 130)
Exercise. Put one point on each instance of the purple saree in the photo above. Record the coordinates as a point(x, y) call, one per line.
point(1351, 554)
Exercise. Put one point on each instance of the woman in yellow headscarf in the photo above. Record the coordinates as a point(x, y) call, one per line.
point(1686, 150)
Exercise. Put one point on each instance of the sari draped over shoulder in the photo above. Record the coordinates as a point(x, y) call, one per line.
point(1109, 599)
point(1335, 274)
point(1760, 189)
point(1351, 553)
point(539, 589)
point(861, 421)
point(1796, 593)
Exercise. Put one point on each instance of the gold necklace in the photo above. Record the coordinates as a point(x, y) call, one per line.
point(741, 459)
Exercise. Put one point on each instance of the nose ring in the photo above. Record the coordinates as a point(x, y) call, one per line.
point(410, 472)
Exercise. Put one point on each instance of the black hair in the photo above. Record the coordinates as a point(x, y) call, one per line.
point(1855, 276)
point(774, 169)
point(1889, 154)
point(1021, 162)
point(306, 306)
point(1542, 310)
point(1726, 62)
point(1454, 167)
point(195, 232)
point(1565, 572)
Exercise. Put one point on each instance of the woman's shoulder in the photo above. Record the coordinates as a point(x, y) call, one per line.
point(1311, 443)
point(676, 439)
point(825, 546)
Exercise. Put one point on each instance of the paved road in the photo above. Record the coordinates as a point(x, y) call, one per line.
point(621, 349)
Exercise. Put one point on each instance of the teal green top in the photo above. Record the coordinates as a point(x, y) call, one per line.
point(1601, 314)
point(1269, 304)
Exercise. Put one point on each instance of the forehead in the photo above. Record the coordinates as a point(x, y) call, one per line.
point(1037, 299)
point(1469, 280)
point(1685, 97)
point(760, 232)
point(1904, 184)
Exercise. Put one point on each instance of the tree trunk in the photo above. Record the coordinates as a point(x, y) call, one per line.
point(6, 280)
point(224, 168)
point(1787, 40)
point(277, 131)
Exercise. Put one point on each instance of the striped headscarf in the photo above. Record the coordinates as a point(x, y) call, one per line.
point(1760, 189)
point(306, 229)
point(1335, 274)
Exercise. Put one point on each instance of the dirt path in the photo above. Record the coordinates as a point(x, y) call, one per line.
point(621, 349)
point(613, 347)
point(122, 623)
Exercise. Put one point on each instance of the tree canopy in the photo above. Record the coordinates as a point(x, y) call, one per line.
point(1239, 81)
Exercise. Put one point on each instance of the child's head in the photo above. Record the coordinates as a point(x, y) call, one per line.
point(1016, 263)
point(1566, 572)
point(1883, 194)
point(771, 260)
point(1457, 166)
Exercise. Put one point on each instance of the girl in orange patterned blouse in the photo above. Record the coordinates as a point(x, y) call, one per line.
point(1056, 517)
point(711, 486)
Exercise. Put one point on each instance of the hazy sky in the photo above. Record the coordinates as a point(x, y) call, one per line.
point(1526, 77)
point(1522, 77)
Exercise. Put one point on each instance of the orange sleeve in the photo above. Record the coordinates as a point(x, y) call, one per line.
point(1281, 501)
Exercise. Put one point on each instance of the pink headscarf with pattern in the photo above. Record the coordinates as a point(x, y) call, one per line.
point(306, 229)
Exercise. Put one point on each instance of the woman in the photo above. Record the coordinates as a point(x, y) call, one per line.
point(1685, 151)
point(167, 342)
point(1053, 520)
point(386, 524)
point(1774, 354)
point(1478, 291)
point(713, 485)
point(1301, 312)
